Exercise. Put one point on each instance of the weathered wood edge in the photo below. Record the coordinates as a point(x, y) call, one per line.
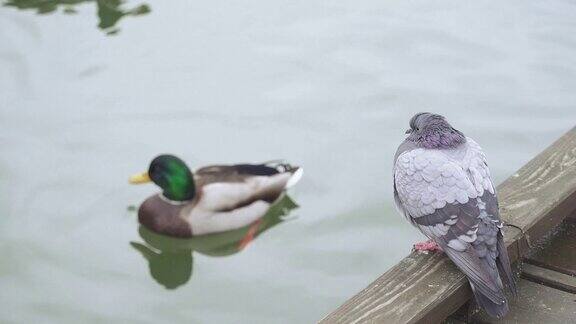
point(549, 278)
point(428, 288)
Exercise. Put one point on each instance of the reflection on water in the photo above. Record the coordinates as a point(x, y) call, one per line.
point(171, 262)
point(109, 11)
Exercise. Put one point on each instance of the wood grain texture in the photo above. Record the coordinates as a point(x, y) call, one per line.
point(428, 288)
point(542, 190)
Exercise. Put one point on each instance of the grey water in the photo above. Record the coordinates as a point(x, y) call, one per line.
point(90, 91)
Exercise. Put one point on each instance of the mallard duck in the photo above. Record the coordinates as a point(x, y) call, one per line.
point(213, 199)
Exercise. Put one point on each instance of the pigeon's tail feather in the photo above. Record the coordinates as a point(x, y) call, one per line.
point(503, 264)
point(484, 280)
point(493, 309)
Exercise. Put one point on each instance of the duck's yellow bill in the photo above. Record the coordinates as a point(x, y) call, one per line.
point(140, 178)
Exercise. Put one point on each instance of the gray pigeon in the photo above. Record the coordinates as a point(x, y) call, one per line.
point(442, 185)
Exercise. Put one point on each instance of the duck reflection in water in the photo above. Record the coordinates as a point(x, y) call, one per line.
point(109, 11)
point(170, 260)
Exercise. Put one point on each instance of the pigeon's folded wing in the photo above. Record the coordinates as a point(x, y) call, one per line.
point(426, 180)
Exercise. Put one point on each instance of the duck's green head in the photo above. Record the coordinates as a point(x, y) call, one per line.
point(172, 175)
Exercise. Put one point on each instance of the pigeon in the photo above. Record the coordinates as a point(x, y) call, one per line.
point(442, 185)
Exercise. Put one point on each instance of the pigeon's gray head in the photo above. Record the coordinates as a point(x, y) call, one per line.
point(432, 131)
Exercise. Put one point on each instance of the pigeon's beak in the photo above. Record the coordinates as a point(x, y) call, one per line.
point(408, 131)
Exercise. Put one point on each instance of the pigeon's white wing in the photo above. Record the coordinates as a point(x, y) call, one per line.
point(427, 180)
point(449, 196)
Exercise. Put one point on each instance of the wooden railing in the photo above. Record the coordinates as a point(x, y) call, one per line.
point(428, 288)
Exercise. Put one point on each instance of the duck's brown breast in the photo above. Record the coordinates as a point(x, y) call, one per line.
point(163, 217)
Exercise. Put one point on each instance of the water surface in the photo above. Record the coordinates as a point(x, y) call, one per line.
point(329, 86)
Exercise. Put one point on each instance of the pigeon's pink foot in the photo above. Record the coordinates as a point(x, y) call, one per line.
point(427, 246)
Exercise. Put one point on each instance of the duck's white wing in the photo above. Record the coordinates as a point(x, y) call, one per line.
point(450, 197)
point(224, 206)
point(205, 222)
point(224, 196)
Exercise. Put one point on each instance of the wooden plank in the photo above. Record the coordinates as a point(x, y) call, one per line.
point(543, 192)
point(428, 288)
point(410, 273)
point(560, 253)
point(549, 278)
point(536, 304)
point(421, 281)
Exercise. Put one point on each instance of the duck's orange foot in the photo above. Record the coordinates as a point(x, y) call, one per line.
point(250, 235)
point(427, 246)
